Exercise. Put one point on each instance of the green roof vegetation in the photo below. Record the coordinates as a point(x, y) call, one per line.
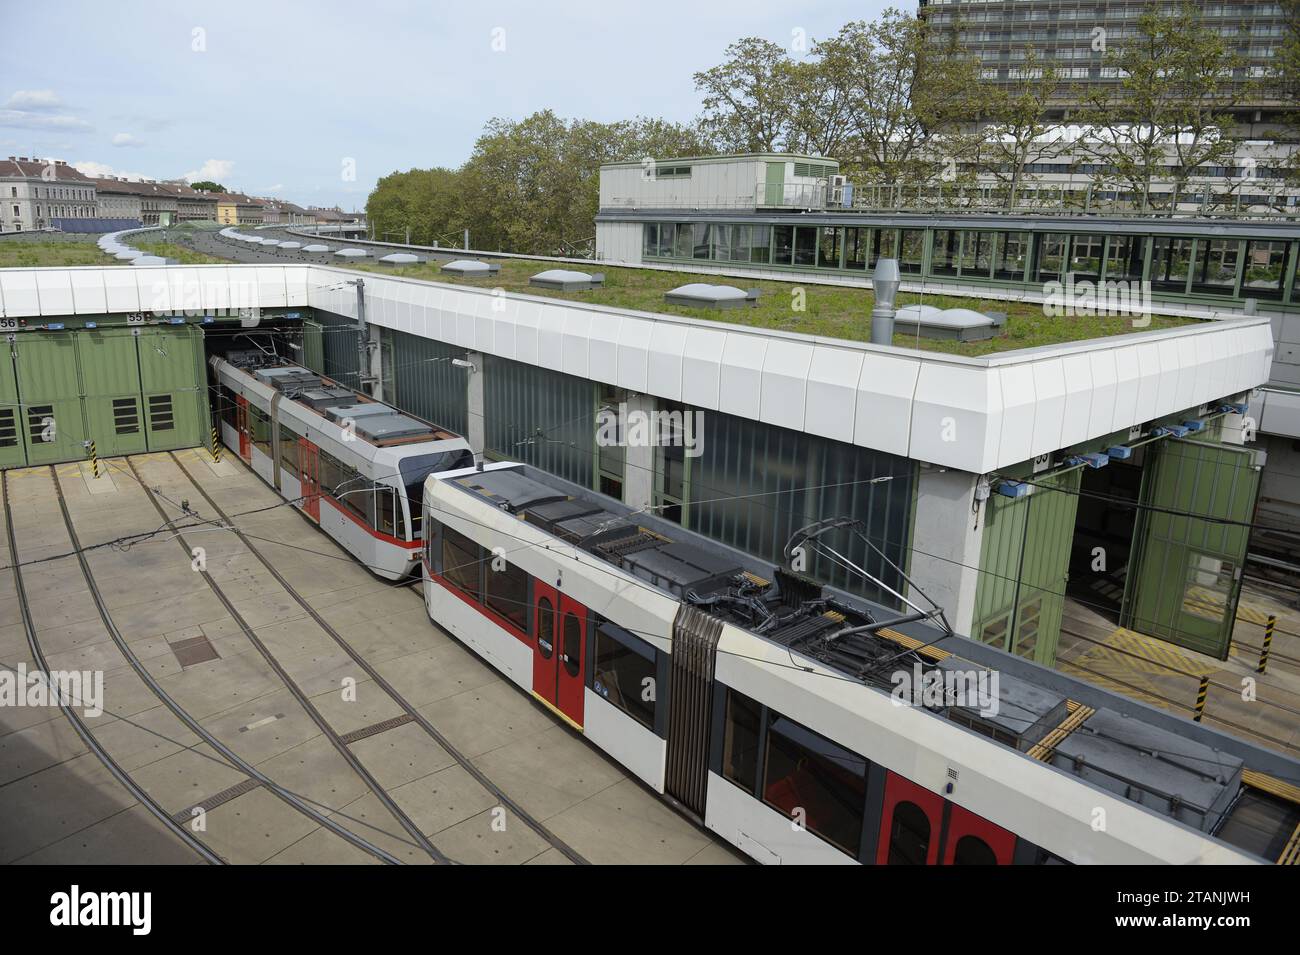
point(827, 310)
point(832, 311)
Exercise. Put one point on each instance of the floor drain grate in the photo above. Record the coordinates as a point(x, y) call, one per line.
point(375, 729)
point(217, 799)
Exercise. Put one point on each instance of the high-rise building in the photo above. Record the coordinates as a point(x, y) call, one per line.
point(1074, 35)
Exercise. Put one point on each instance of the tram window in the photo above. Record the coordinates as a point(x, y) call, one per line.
point(972, 850)
point(572, 649)
point(909, 258)
point(1265, 270)
point(1010, 261)
point(259, 423)
point(782, 244)
point(909, 835)
point(625, 673)
point(414, 495)
point(829, 241)
point(828, 783)
point(460, 562)
point(943, 255)
point(1215, 269)
point(229, 407)
point(740, 741)
point(545, 628)
point(289, 451)
point(385, 510)
point(1124, 258)
point(359, 498)
point(506, 591)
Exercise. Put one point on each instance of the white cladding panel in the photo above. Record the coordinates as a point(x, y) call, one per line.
point(975, 414)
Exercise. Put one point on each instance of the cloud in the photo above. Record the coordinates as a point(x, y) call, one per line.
point(100, 170)
point(270, 190)
point(34, 99)
point(125, 139)
point(213, 170)
point(26, 120)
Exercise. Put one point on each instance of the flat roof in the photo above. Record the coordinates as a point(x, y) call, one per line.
point(730, 157)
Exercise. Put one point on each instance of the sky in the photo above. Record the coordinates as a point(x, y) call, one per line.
point(314, 102)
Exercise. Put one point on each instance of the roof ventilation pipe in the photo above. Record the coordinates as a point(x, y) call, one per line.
point(884, 285)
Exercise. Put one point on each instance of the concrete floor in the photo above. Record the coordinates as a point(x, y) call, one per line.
point(1093, 648)
point(58, 803)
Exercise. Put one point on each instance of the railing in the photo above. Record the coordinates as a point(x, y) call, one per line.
point(948, 199)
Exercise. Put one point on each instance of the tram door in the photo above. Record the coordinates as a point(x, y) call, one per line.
point(309, 466)
point(559, 653)
point(973, 840)
point(241, 425)
point(910, 824)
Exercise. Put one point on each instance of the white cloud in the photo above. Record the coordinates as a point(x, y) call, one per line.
point(34, 99)
point(213, 170)
point(269, 190)
point(101, 170)
point(27, 120)
point(125, 139)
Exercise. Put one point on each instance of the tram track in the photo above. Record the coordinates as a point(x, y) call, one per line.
point(504, 799)
point(233, 759)
point(295, 690)
point(68, 708)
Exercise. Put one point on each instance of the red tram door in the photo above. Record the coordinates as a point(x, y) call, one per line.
point(973, 840)
point(910, 824)
point(309, 470)
point(241, 425)
point(912, 830)
point(559, 664)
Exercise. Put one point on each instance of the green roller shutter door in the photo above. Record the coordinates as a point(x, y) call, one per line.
point(1185, 580)
point(51, 400)
point(173, 387)
point(110, 376)
point(1024, 568)
point(13, 452)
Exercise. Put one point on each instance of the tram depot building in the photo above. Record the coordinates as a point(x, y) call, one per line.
point(993, 482)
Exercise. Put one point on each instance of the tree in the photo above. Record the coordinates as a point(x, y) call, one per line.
point(1287, 77)
point(905, 96)
point(1174, 93)
point(208, 186)
point(747, 99)
point(530, 186)
point(1013, 132)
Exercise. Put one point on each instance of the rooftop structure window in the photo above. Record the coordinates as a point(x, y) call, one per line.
point(672, 172)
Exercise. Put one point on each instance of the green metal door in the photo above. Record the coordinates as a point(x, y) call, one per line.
point(48, 386)
point(1185, 580)
point(1024, 568)
point(313, 346)
point(110, 378)
point(173, 387)
point(774, 190)
point(13, 453)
